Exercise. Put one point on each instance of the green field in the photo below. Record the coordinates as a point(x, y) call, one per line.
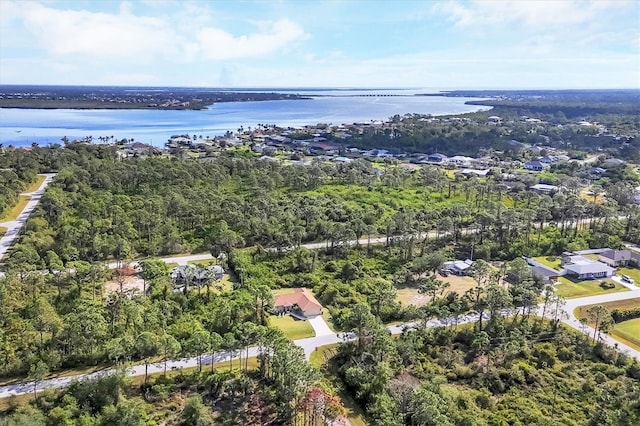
point(3, 230)
point(570, 290)
point(551, 262)
point(628, 332)
point(293, 328)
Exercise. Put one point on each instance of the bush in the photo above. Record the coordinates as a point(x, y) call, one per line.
point(620, 315)
point(607, 285)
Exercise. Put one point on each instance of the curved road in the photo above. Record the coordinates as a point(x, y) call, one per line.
point(325, 338)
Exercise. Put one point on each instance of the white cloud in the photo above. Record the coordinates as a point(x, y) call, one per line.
point(532, 14)
point(126, 36)
point(218, 44)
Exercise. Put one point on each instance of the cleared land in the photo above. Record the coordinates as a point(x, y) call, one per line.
point(627, 332)
point(14, 212)
point(411, 296)
point(292, 327)
point(581, 311)
point(570, 290)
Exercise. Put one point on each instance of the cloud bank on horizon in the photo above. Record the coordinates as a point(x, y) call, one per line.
point(444, 45)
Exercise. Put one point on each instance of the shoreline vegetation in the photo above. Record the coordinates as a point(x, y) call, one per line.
point(72, 97)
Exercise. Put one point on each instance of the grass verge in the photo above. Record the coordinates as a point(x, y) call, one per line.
point(36, 184)
point(14, 212)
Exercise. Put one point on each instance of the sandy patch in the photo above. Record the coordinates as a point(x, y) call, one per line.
point(129, 283)
point(457, 284)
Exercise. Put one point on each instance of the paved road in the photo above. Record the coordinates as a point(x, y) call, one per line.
point(183, 260)
point(572, 321)
point(14, 226)
point(311, 344)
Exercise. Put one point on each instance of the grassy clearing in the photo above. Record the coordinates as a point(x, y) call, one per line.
point(14, 212)
point(551, 262)
point(628, 332)
point(632, 272)
point(457, 284)
point(570, 290)
point(36, 184)
point(293, 328)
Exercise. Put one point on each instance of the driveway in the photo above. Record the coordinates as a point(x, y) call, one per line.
point(320, 326)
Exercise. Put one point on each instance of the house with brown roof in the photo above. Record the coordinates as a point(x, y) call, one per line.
point(301, 303)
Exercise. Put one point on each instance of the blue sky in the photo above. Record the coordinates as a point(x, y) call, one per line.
point(421, 44)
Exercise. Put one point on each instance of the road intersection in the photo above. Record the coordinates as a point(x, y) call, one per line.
point(324, 335)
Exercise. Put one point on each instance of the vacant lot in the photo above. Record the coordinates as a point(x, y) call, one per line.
point(570, 290)
point(128, 283)
point(293, 328)
point(627, 332)
point(457, 284)
point(581, 311)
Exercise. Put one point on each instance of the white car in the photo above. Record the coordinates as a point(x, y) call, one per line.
point(627, 279)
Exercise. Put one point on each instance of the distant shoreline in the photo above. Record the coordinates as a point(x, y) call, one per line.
point(93, 105)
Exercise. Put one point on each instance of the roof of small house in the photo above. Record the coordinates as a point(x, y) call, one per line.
point(616, 255)
point(301, 297)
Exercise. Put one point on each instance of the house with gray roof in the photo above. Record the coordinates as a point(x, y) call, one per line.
point(615, 258)
point(582, 268)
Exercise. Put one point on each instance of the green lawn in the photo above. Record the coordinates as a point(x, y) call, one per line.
point(632, 272)
point(628, 332)
point(551, 262)
point(293, 328)
point(570, 290)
